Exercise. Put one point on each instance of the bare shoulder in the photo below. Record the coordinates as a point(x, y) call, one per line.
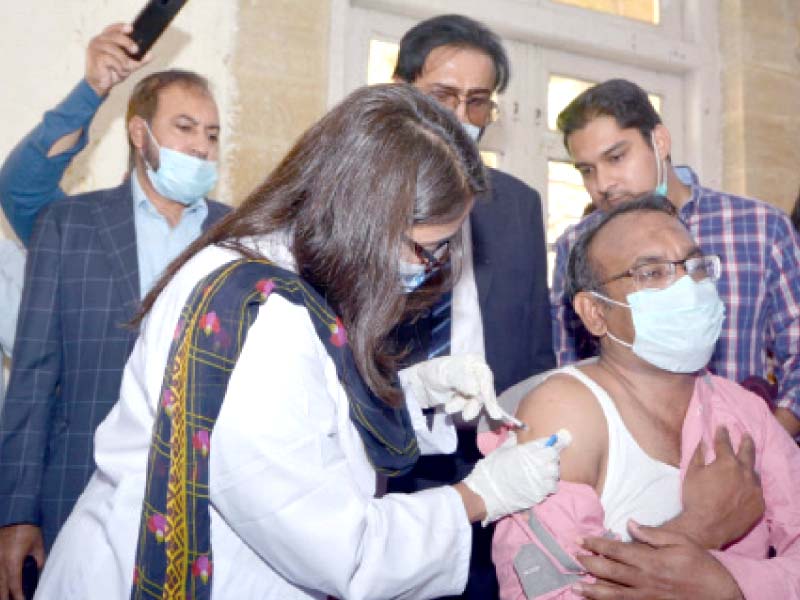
point(563, 402)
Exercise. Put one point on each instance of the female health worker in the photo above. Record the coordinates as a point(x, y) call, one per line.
point(261, 399)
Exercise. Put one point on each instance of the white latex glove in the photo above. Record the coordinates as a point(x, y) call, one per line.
point(460, 384)
point(516, 476)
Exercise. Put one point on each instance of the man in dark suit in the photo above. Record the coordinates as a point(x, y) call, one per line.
point(91, 259)
point(500, 306)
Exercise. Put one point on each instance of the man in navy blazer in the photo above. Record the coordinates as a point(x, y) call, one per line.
point(91, 259)
point(500, 304)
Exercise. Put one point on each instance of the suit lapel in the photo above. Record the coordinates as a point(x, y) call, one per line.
point(216, 211)
point(114, 216)
point(480, 227)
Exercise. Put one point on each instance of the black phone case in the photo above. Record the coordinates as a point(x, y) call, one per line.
point(30, 577)
point(151, 22)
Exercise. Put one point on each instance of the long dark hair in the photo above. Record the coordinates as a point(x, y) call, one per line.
point(385, 159)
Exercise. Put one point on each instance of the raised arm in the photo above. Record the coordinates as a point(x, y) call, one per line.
point(32, 172)
point(30, 177)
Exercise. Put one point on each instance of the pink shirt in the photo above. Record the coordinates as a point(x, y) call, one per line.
point(575, 510)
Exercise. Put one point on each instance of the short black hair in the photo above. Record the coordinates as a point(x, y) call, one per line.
point(618, 98)
point(449, 30)
point(581, 275)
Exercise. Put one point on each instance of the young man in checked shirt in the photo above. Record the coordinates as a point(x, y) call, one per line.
point(622, 150)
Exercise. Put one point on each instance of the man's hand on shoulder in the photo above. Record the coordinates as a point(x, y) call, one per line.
point(17, 542)
point(722, 500)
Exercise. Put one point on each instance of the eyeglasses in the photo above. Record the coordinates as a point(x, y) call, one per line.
point(481, 109)
point(431, 259)
point(660, 274)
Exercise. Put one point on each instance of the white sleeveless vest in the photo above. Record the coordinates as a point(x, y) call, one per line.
point(637, 486)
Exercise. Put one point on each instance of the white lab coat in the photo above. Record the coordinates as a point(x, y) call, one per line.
point(292, 492)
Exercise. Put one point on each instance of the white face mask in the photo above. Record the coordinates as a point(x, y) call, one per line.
point(181, 177)
point(473, 131)
point(676, 328)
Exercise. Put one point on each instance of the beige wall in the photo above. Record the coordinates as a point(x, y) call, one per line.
point(760, 43)
point(280, 68)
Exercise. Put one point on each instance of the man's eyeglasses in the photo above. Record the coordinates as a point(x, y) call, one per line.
point(660, 274)
point(481, 109)
point(431, 259)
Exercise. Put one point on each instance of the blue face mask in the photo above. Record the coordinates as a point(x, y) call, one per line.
point(661, 170)
point(412, 276)
point(676, 328)
point(473, 131)
point(180, 177)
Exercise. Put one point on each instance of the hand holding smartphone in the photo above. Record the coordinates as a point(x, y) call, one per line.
point(151, 22)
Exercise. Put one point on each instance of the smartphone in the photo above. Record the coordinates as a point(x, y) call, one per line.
point(151, 22)
point(30, 577)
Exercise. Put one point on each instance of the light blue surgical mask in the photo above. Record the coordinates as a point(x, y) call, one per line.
point(412, 275)
point(661, 170)
point(473, 131)
point(181, 177)
point(677, 327)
